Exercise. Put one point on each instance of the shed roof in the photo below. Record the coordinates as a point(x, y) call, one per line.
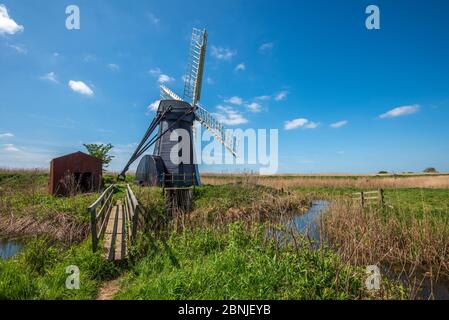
point(77, 154)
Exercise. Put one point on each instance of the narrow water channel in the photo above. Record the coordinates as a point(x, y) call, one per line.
point(308, 223)
point(9, 249)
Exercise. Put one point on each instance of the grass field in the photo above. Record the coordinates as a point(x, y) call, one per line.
point(221, 249)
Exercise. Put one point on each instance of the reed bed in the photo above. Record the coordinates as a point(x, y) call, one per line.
point(344, 181)
point(27, 210)
point(219, 206)
point(405, 243)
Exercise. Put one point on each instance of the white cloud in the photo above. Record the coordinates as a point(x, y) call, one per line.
point(7, 24)
point(312, 125)
point(400, 111)
point(339, 124)
point(81, 88)
point(223, 53)
point(51, 76)
point(154, 106)
point(209, 80)
point(266, 47)
point(300, 123)
point(6, 135)
point(90, 58)
point(155, 20)
point(235, 100)
point(21, 49)
point(281, 96)
point(229, 116)
point(155, 72)
point(29, 156)
point(114, 67)
point(263, 98)
point(10, 148)
point(163, 78)
point(254, 107)
point(240, 67)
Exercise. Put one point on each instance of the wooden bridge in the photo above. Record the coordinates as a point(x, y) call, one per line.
point(114, 223)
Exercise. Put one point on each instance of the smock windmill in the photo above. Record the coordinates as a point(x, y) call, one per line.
point(166, 165)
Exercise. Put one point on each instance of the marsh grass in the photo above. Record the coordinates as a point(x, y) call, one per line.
point(26, 209)
point(408, 244)
point(334, 181)
point(39, 272)
point(224, 250)
point(241, 263)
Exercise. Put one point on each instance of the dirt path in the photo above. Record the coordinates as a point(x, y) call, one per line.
point(108, 290)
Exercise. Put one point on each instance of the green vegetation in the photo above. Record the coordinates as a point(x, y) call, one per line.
point(39, 272)
point(27, 209)
point(100, 151)
point(222, 249)
point(239, 264)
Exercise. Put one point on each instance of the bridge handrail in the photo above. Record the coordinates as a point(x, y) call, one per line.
point(99, 219)
point(132, 212)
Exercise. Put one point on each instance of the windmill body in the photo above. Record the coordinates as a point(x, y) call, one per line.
point(168, 166)
point(165, 147)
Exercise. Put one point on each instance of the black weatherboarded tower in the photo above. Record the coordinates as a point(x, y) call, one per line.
point(183, 173)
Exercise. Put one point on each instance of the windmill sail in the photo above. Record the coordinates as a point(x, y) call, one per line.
point(195, 67)
point(192, 91)
point(217, 129)
point(207, 120)
point(167, 94)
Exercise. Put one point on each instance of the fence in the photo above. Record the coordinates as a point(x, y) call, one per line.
point(133, 214)
point(173, 180)
point(369, 197)
point(99, 215)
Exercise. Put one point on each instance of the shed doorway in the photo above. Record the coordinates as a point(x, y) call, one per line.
point(84, 181)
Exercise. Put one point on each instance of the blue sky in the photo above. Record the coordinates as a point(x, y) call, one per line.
point(344, 98)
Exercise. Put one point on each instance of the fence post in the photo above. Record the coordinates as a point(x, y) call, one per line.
point(135, 223)
point(93, 226)
point(362, 199)
point(381, 197)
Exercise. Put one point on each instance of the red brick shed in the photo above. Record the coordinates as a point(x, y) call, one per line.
point(74, 173)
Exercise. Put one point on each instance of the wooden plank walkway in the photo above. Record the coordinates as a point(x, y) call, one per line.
point(115, 243)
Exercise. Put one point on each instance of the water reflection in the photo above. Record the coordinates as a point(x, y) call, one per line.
point(9, 249)
point(307, 224)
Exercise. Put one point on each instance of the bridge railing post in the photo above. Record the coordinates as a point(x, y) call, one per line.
point(93, 219)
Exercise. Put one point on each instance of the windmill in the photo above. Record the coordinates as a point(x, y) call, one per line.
point(165, 167)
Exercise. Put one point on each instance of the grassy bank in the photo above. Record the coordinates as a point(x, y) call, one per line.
point(26, 209)
point(240, 263)
point(39, 272)
point(223, 250)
